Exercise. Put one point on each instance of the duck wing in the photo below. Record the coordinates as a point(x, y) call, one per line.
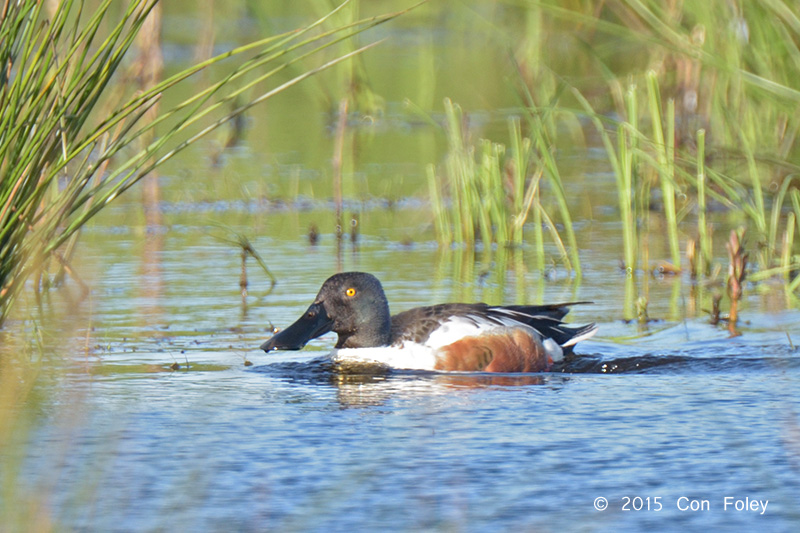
point(417, 325)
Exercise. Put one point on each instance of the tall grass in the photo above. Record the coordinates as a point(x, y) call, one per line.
point(708, 119)
point(715, 125)
point(664, 142)
point(66, 151)
point(703, 231)
point(698, 117)
point(488, 191)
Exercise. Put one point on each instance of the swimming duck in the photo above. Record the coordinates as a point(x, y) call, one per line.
point(452, 336)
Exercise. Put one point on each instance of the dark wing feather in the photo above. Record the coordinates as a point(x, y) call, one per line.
point(557, 311)
point(417, 324)
point(545, 319)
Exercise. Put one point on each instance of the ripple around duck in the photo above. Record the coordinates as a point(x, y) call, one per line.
point(321, 370)
point(670, 363)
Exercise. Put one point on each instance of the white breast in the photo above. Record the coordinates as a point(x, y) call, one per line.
point(412, 356)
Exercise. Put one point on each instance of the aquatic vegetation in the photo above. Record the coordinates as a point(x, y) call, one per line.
point(664, 143)
point(241, 242)
point(489, 192)
point(706, 118)
point(703, 231)
point(68, 148)
point(715, 126)
point(737, 271)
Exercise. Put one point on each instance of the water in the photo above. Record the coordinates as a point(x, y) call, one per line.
point(266, 448)
point(123, 442)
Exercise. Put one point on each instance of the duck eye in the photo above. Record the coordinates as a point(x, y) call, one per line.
point(350, 292)
point(311, 314)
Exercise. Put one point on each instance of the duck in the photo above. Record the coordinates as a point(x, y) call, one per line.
point(462, 337)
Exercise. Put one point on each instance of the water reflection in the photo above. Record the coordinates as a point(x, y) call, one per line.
point(373, 385)
point(358, 390)
point(492, 274)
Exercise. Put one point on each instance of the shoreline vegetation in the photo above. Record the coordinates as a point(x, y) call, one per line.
point(73, 137)
point(710, 117)
point(702, 116)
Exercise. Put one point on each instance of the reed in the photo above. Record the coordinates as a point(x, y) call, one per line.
point(720, 101)
point(543, 129)
point(518, 163)
point(623, 159)
point(737, 272)
point(494, 226)
point(708, 116)
point(790, 183)
point(441, 222)
point(791, 231)
point(627, 183)
point(665, 150)
point(627, 178)
point(240, 241)
point(491, 191)
point(64, 156)
point(703, 231)
point(786, 247)
point(459, 165)
point(538, 233)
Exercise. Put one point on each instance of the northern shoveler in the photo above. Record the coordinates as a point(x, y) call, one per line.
point(452, 336)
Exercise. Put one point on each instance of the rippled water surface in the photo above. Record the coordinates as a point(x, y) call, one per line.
point(123, 441)
point(277, 447)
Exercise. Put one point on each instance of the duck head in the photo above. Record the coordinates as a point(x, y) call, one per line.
point(351, 304)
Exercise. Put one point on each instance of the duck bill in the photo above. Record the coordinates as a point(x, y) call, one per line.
point(314, 323)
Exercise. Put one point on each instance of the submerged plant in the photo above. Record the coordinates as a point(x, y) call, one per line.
point(64, 156)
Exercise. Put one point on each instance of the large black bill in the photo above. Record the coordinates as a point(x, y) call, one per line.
point(312, 324)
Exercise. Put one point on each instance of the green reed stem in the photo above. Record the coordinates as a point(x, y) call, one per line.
point(759, 213)
point(665, 149)
point(545, 151)
point(443, 233)
point(538, 230)
point(556, 237)
point(624, 181)
point(796, 207)
point(623, 160)
point(520, 149)
point(777, 207)
point(453, 165)
point(788, 243)
point(483, 191)
point(631, 177)
point(704, 254)
point(494, 197)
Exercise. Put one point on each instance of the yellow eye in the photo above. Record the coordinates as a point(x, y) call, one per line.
point(350, 292)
